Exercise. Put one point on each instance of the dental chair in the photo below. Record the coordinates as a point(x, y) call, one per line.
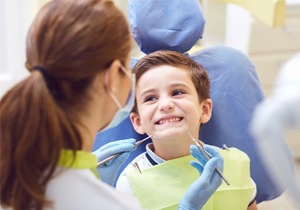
point(235, 88)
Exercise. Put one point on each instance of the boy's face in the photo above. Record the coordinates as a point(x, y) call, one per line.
point(168, 104)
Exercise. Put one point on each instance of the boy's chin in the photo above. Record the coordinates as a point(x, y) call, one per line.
point(170, 134)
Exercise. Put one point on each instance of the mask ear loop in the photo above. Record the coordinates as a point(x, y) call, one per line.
point(114, 98)
point(125, 72)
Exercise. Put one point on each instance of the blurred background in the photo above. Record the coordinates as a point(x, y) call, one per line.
point(268, 31)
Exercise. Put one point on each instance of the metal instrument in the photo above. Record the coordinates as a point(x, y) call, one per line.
point(208, 158)
point(117, 154)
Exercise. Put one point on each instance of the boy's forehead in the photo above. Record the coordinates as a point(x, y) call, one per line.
point(165, 69)
point(163, 74)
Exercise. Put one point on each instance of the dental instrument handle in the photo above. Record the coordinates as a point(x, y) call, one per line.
point(117, 154)
point(208, 158)
point(141, 141)
point(109, 158)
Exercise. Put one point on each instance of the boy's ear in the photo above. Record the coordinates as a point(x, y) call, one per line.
point(136, 122)
point(206, 106)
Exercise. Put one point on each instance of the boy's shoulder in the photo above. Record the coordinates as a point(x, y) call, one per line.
point(140, 160)
point(231, 152)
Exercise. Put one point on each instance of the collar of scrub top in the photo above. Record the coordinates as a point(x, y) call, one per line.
point(170, 25)
point(82, 160)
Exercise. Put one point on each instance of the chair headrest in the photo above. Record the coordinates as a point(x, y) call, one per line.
point(168, 24)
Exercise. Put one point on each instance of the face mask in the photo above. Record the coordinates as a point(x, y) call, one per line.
point(123, 112)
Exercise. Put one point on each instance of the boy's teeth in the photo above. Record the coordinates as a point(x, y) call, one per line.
point(175, 119)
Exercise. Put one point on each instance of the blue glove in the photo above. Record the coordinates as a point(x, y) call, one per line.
point(202, 189)
point(108, 171)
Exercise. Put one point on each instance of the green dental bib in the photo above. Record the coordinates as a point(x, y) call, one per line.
point(162, 186)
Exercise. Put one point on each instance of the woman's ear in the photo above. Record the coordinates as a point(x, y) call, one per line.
point(206, 106)
point(112, 76)
point(136, 122)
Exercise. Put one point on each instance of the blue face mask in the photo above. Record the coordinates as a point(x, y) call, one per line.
point(123, 112)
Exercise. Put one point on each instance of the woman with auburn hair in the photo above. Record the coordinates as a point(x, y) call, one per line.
point(79, 83)
point(78, 59)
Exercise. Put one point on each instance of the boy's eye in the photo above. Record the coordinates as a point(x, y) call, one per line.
point(149, 98)
point(178, 92)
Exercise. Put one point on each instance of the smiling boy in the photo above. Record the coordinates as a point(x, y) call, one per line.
point(172, 99)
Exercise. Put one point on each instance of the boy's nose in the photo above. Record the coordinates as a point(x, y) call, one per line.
point(166, 104)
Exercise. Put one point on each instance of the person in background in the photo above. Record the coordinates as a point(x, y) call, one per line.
point(172, 102)
point(78, 59)
point(276, 115)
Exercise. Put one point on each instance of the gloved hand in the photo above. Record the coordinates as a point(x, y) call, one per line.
point(202, 189)
point(109, 170)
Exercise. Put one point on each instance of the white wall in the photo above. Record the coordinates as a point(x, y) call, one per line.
point(15, 19)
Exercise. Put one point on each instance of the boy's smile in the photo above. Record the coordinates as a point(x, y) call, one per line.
point(168, 120)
